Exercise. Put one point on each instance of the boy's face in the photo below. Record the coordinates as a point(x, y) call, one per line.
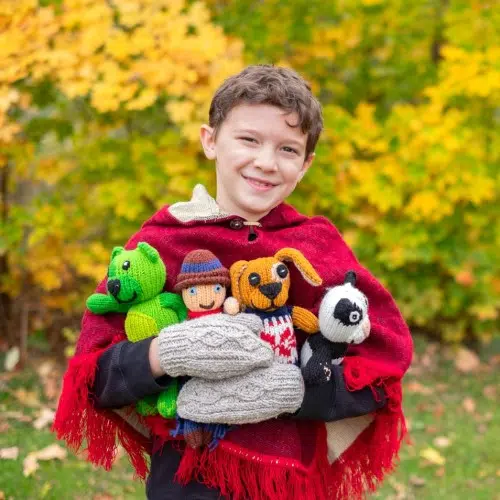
point(259, 158)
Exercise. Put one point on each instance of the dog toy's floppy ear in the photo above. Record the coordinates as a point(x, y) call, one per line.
point(235, 271)
point(303, 265)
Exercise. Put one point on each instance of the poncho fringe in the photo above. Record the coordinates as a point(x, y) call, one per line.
point(359, 469)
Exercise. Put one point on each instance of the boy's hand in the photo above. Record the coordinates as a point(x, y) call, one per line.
point(213, 347)
point(256, 396)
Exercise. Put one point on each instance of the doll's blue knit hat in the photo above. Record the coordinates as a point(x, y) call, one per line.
point(201, 267)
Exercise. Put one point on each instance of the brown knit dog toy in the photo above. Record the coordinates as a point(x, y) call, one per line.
point(261, 286)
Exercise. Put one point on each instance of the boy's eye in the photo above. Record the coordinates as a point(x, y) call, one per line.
point(126, 265)
point(249, 139)
point(217, 288)
point(288, 149)
point(192, 290)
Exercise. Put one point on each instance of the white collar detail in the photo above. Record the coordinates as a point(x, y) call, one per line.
point(201, 207)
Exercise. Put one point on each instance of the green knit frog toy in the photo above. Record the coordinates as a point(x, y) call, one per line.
point(136, 279)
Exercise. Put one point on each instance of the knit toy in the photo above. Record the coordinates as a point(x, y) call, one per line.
point(343, 320)
point(202, 283)
point(261, 286)
point(135, 282)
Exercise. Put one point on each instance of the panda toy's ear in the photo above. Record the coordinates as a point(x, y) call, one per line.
point(350, 277)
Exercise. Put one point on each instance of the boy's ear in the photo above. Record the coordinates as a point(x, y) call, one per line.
point(207, 138)
point(305, 167)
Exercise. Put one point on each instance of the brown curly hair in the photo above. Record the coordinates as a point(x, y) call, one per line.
point(267, 84)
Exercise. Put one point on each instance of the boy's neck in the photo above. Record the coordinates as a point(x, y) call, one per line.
point(228, 207)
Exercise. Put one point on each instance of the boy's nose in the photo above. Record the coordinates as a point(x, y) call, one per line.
point(266, 160)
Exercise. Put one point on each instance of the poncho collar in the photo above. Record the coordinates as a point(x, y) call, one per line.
point(202, 207)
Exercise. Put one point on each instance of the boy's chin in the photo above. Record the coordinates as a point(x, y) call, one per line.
point(260, 208)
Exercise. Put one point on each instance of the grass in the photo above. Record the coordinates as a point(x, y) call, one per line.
point(443, 406)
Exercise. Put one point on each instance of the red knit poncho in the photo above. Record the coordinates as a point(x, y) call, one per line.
point(281, 458)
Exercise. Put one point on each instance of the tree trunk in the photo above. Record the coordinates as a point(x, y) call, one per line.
point(5, 300)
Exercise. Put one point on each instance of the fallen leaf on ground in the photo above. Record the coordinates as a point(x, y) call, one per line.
point(12, 358)
point(27, 398)
point(50, 378)
point(441, 387)
point(466, 361)
point(398, 487)
point(488, 416)
point(17, 415)
point(482, 429)
point(2, 495)
point(469, 405)
point(9, 453)
point(44, 491)
point(442, 442)
point(433, 456)
point(438, 410)
point(102, 496)
point(51, 452)
point(45, 417)
point(490, 392)
point(4, 427)
point(418, 388)
point(416, 480)
point(440, 472)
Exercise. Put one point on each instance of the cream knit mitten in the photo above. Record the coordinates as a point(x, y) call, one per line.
point(214, 347)
point(260, 395)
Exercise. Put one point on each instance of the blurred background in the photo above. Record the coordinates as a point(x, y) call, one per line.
point(100, 107)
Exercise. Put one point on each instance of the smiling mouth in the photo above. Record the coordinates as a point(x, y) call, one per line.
point(259, 183)
point(126, 301)
point(203, 306)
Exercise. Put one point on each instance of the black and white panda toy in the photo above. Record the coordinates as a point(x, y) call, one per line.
point(343, 320)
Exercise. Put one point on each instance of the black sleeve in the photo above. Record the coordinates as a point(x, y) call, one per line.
point(333, 401)
point(124, 375)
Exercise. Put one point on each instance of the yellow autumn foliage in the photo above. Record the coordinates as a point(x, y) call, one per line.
point(95, 99)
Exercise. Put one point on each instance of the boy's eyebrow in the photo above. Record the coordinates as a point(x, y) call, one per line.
point(255, 131)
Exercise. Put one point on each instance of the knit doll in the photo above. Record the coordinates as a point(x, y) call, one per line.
point(343, 320)
point(135, 282)
point(202, 283)
point(261, 286)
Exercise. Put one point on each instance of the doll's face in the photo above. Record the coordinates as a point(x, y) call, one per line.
point(199, 298)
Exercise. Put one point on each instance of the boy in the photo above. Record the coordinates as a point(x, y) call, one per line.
point(263, 127)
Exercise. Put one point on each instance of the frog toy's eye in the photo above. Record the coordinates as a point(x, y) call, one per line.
point(217, 288)
point(126, 265)
point(192, 291)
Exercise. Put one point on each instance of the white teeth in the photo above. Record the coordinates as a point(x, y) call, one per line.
point(259, 183)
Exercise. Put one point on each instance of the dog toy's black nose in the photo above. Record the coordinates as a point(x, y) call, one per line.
point(271, 290)
point(114, 287)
